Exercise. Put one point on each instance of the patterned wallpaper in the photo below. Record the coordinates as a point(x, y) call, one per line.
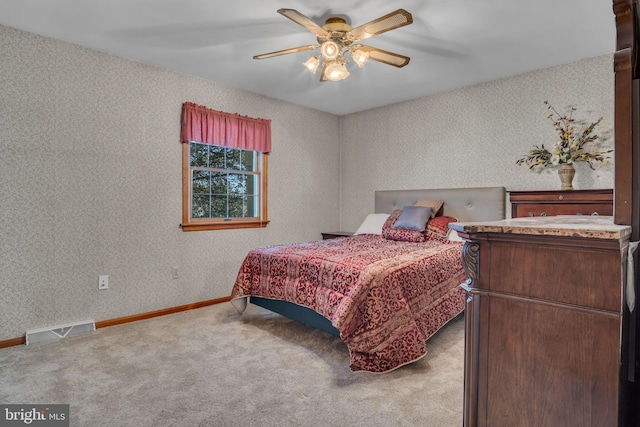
point(91, 184)
point(471, 136)
point(90, 172)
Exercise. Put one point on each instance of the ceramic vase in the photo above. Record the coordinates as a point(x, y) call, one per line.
point(566, 172)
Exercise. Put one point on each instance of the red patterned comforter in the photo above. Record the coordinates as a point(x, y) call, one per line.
point(385, 297)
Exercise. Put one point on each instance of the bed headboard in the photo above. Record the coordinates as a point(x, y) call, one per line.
point(466, 204)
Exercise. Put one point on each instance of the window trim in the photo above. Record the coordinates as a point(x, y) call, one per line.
point(198, 224)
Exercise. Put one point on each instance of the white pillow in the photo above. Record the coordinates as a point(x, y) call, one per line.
point(372, 224)
point(453, 236)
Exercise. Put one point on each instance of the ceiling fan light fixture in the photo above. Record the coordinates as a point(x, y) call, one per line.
point(360, 57)
point(330, 50)
point(312, 64)
point(336, 71)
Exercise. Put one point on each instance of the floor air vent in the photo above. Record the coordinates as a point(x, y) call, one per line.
point(56, 332)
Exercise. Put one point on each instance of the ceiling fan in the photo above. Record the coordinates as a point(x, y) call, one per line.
point(336, 38)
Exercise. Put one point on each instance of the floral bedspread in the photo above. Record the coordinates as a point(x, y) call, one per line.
point(385, 297)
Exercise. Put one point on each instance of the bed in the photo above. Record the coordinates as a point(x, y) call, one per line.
point(383, 291)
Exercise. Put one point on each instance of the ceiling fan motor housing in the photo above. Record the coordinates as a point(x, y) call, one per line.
point(338, 30)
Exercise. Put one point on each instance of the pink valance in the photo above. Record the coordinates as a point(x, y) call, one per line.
point(202, 124)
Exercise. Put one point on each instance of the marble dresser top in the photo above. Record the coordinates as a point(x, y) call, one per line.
point(593, 227)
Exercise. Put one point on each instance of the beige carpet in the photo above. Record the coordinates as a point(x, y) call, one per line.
point(214, 367)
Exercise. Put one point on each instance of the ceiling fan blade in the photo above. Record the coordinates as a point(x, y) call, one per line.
point(287, 51)
point(386, 57)
point(303, 21)
point(391, 21)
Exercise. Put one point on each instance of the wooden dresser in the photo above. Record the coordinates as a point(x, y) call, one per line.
point(572, 202)
point(544, 322)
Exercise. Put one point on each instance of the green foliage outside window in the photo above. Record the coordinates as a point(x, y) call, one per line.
point(224, 182)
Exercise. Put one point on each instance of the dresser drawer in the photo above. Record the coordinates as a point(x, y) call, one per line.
point(549, 209)
point(551, 269)
point(552, 203)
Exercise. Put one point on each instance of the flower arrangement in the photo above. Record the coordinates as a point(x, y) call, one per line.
point(572, 146)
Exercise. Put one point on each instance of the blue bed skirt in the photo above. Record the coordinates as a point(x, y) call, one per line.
point(296, 312)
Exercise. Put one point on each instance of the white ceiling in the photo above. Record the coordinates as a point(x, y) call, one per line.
point(452, 43)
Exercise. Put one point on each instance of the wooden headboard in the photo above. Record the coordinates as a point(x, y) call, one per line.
point(466, 204)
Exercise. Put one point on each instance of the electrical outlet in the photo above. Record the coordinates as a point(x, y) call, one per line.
point(174, 272)
point(103, 282)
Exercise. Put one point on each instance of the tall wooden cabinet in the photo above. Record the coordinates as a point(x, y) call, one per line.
point(626, 66)
point(544, 321)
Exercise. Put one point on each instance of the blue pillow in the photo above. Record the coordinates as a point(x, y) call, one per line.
point(413, 218)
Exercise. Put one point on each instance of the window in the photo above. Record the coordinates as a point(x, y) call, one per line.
point(223, 185)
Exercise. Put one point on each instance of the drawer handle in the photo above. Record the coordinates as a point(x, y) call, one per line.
point(530, 213)
point(561, 197)
point(595, 214)
point(543, 214)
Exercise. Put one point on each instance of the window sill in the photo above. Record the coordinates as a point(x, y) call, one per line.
point(227, 225)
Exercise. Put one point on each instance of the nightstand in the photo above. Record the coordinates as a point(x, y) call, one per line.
point(334, 234)
point(551, 203)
